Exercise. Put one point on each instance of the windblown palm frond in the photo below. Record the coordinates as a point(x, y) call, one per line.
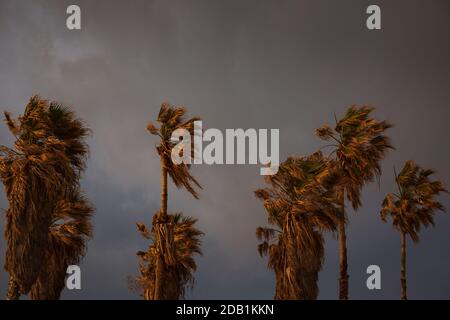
point(69, 231)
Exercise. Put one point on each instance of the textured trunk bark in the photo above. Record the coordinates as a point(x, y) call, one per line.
point(163, 212)
point(162, 217)
point(343, 266)
point(403, 267)
point(159, 279)
point(148, 294)
point(13, 292)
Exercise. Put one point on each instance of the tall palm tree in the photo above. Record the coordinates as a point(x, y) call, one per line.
point(412, 207)
point(180, 274)
point(41, 178)
point(171, 118)
point(300, 205)
point(359, 145)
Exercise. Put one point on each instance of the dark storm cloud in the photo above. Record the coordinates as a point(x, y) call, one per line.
point(250, 64)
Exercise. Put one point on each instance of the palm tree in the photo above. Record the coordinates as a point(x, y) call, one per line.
point(300, 205)
point(180, 274)
point(412, 207)
point(171, 118)
point(41, 178)
point(359, 145)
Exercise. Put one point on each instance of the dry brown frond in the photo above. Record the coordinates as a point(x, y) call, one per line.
point(178, 274)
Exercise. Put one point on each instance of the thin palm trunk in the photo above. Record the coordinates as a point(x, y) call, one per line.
point(403, 267)
point(163, 212)
point(343, 265)
point(13, 292)
point(343, 274)
point(162, 217)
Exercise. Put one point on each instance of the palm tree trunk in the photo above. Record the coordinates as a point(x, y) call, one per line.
point(163, 212)
point(13, 292)
point(162, 217)
point(403, 267)
point(343, 266)
point(159, 279)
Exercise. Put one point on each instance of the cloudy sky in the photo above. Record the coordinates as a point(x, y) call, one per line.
point(238, 64)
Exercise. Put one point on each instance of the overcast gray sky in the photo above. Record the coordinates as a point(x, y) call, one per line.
point(238, 64)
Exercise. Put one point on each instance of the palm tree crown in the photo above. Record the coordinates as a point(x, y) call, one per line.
point(172, 118)
point(359, 146)
point(415, 203)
